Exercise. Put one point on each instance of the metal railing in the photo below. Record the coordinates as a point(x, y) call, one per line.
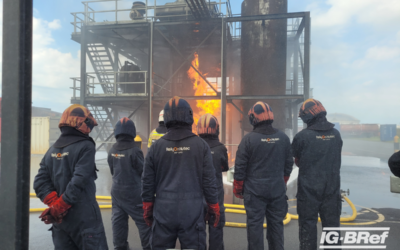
point(152, 11)
point(292, 27)
point(89, 84)
point(119, 88)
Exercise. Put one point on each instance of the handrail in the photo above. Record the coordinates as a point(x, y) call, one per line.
point(88, 15)
point(91, 83)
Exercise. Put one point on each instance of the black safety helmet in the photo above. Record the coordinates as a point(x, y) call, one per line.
point(125, 126)
point(178, 110)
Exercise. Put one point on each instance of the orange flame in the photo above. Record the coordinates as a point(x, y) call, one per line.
point(202, 89)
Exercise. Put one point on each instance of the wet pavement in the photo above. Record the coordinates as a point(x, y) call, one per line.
point(381, 150)
point(367, 178)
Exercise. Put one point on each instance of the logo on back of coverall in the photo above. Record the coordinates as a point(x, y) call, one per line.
point(118, 156)
point(270, 140)
point(354, 237)
point(59, 156)
point(325, 137)
point(177, 150)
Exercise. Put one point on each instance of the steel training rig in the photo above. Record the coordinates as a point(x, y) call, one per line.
point(161, 41)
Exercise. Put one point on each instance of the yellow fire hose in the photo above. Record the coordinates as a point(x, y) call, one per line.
point(36, 210)
point(288, 217)
point(228, 209)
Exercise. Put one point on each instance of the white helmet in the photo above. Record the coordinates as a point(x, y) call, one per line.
point(161, 116)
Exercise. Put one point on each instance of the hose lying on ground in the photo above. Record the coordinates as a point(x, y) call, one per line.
point(229, 209)
point(288, 217)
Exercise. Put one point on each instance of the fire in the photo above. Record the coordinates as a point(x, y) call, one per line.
point(201, 88)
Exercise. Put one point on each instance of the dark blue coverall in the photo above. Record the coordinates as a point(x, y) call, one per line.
point(178, 175)
point(318, 150)
point(394, 164)
point(126, 165)
point(220, 162)
point(69, 169)
point(262, 160)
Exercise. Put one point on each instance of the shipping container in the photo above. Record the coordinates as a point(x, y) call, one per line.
point(353, 130)
point(40, 135)
point(388, 132)
point(44, 133)
point(359, 130)
point(369, 130)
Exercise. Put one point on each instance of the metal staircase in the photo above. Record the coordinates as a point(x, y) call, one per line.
point(102, 62)
point(103, 65)
point(199, 9)
point(105, 120)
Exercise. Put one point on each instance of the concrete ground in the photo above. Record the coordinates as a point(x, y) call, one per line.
point(381, 150)
point(367, 178)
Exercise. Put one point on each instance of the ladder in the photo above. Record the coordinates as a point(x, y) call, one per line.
point(103, 65)
point(199, 9)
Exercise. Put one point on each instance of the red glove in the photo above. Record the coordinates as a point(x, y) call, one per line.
point(213, 211)
point(59, 209)
point(238, 189)
point(296, 161)
point(286, 178)
point(50, 198)
point(46, 217)
point(148, 212)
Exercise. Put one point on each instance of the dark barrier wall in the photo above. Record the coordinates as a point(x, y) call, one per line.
point(263, 53)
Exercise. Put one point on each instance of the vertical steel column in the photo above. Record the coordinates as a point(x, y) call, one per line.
point(116, 68)
point(295, 89)
point(150, 80)
point(16, 128)
point(307, 42)
point(116, 11)
point(83, 65)
point(155, 10)
point(295, 112)
point(223, 81)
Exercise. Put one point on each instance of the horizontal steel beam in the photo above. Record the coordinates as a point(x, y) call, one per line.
point(117, 26)
point(144, 24)
point(235, 97)
point(109, 100)
point(211, 20)
point(120, 99)
point(266, 17)
point(263, 97)
point(215, 97)
point(216, 20)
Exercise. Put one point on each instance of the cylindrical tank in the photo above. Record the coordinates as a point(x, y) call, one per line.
point(263, 57)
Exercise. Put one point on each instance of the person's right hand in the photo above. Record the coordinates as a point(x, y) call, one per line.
point(148, 212)
point(238, 189)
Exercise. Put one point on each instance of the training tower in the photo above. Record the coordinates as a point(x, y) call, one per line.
point(137, 55)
